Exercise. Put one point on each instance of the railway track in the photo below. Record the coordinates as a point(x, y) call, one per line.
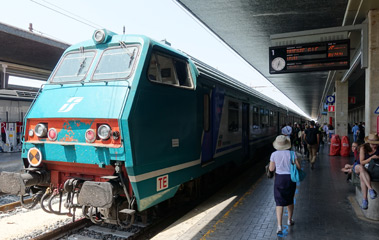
point(12, 205)
point(65, 230)
point(62, 227)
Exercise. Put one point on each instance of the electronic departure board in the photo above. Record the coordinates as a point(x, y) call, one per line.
point(333, 55)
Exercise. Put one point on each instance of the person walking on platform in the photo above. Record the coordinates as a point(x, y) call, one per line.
point(312, 138)
point(287, 131)
point(325, 129)
point(361, 134)
point(354, 131)
point(284, 188)
point(303, 143)
point(297, 137)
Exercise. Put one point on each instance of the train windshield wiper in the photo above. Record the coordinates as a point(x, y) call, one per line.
point(131, 55)
point(82, 65)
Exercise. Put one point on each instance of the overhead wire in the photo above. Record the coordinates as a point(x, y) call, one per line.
point(67, 14)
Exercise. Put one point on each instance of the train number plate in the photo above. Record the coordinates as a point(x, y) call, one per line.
point(162, 182)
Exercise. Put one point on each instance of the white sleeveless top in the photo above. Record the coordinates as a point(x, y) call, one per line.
point(282, 160)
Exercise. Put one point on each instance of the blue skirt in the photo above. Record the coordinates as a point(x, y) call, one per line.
point(284, 190)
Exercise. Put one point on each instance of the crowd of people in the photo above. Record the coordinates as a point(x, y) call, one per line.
point(306, 139)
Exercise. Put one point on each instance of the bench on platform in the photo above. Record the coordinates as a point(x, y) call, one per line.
point(373, 204)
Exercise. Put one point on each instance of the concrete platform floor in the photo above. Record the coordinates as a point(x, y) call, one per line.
point(11, 162)
point(325, 208)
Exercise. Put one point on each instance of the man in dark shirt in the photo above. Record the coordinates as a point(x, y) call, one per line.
point(312, 138)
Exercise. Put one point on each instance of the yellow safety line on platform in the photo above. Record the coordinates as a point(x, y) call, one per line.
point(235, 205)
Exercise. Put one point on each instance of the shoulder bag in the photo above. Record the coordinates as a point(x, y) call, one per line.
point(268, 172)
point(373, 169)
point(296, 174)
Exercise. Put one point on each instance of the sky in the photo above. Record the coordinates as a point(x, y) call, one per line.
point(163, 19)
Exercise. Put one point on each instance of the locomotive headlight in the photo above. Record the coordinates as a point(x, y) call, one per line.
point(90, 135)
point(104, 132)
point(102, 36)
point(40, 130)
point(31, 133)
point(52, 134)
point(99, 36)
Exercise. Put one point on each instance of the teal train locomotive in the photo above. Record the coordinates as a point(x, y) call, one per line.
point(124, 122)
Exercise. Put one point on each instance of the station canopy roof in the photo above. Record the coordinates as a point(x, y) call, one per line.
point(246, 27)
point(28, 54)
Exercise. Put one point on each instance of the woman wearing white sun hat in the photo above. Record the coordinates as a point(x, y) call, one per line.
point(284, 188)
point(368, 152)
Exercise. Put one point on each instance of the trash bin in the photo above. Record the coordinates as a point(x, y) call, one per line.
point(345, 147)
point(335, 145)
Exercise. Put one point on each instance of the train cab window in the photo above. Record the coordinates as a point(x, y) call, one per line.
point(233, 119)
point(73, 67)
point(116, 63)
point(182, 73)
point(153, 73)
point(169, 70)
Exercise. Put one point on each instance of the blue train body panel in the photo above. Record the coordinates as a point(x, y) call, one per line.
point(93, 100)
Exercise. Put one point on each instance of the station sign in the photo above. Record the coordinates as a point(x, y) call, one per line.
point(331, 108)
point(330, 99)
point(321, 56)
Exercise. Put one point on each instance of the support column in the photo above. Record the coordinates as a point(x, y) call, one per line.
point(341, 110)
point(3, 76)
point(372, 73)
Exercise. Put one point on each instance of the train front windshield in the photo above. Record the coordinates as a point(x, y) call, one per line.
point(115, 63)
point(74, 67)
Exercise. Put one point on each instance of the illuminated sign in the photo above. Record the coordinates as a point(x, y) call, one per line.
point(324, 56)
point(331, 108)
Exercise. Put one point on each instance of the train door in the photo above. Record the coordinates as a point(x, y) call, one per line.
point(207, 148)
point(245, 129)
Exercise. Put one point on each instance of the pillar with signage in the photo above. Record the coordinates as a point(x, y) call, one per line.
point(330, 100)
point(341, 108)
point(372, 73)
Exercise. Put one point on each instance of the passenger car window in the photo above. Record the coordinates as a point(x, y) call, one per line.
point(73, 67)
point(255, 117)
point(169, 70)
point(233, 119)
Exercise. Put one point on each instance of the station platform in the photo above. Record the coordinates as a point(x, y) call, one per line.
point(325, 208)
point(11, 162)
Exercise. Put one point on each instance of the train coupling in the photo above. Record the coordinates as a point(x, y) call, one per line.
point(16, 183)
